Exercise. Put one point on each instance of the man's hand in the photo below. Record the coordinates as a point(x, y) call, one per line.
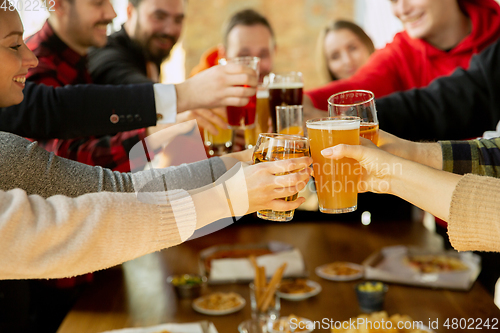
point(229, 85)
point(206, 118)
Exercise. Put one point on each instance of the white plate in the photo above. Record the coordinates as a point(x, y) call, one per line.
point(320, 273)
point(199, 309)
point(307, 321)
point(302, 296)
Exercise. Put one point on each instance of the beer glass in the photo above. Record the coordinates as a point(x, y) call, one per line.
point(262, 118)
point(250, 137)
point(284, 89)
point(336, 180)
point(274, 147)
point(290, 119)
point(242, 117)
point(357, 103)
point(220, 144)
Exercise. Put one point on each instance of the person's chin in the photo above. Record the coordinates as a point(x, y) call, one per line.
point(17, 99)
point(419, 32)
point(99, 41)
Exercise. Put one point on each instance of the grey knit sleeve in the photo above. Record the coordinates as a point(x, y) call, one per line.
point(24, 165)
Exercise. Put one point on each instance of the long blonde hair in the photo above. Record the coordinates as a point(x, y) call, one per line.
point(321, 61)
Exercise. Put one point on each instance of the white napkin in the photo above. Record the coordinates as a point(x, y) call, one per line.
point(241, 269)
point(174, 328)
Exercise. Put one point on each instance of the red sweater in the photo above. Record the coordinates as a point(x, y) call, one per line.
point(412, 63)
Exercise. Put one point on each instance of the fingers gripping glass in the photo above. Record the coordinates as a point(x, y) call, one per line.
point(276, 147)
point(244, 116)
point(336, 180)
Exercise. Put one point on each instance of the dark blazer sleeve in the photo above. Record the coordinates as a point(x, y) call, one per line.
point(460, 106)
point(79, 111)
point(115, 65)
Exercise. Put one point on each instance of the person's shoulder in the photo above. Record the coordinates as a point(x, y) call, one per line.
point(401, 39)
point(116, 49)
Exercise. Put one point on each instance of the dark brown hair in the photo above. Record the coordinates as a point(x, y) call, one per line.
point(246, 17)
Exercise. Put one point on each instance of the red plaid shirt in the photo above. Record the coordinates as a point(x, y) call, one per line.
point(59, 65)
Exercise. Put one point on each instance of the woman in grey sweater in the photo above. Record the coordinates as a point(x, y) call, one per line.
point(50, 227)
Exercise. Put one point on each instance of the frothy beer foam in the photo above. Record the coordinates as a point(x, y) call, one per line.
point(334, 125)
point(286, 85)
point(263, 93)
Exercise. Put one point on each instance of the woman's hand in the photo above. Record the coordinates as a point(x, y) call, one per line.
point(379, 167)
point(268, 182)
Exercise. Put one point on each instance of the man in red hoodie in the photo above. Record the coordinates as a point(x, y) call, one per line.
point(439, 36)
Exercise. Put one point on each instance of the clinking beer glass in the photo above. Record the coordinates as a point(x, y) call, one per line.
point(284, 89)
point(274, 147)
point(242, 117)
point(357, 103)
point(336, 180)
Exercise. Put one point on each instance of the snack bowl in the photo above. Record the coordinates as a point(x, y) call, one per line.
point(187, 285)
point(371, 295)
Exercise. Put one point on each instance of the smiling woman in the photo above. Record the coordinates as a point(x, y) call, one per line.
point(343, 47)
point(439, 36)
point(17, 59)
point(441, 23)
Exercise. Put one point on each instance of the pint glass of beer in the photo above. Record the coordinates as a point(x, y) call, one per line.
point(262, 118)
point(242, 117)
point(336, 180)
point(220, 144)
point(357, 103)
point(290, 119)
point(284, 89)
point(274, 147)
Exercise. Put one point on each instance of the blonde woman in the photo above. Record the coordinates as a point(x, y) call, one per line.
point(343, 47)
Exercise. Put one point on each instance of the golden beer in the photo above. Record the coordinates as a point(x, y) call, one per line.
point(293, 130)
point(274, 147)
point(336, 180)
point(262, 117)
point(219, 144)
point(250, 137)
point(369, 131)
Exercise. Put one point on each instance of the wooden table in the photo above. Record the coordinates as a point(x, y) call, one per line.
point(138, 294)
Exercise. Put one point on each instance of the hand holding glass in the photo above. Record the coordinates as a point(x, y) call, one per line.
point(242, 117)
point(274, 147)
point(336, 180)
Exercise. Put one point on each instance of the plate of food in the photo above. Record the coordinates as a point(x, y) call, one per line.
point(298, 289)
point(219, 304)
point(340, 271)
point(230, 263)
point(291, 324)
point(435, 263)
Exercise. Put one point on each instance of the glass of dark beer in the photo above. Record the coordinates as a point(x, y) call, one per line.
point(242, 117)
point(284, 89)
